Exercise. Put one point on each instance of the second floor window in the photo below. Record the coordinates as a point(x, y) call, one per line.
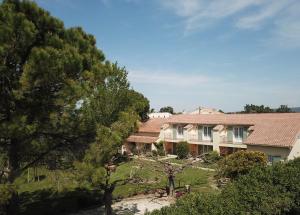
point(207, 135)
point(238, 134)
point(179, 131)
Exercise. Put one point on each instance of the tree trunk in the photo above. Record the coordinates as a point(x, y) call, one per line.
point(13, 167)
point(171, 185)
point(13, 163)
point(108, 200)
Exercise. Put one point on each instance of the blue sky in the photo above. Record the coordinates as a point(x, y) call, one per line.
point(190, 53)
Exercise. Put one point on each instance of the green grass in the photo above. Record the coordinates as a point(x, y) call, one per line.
point(206, 165)
point(178, 161)
point(56, 180)
point(151, 176)
point(199, 164)
point(154, 177)
point(58, 188)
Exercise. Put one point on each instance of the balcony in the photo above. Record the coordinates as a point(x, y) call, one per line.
point(168, 136)
point(194, 139)
point(225, 143)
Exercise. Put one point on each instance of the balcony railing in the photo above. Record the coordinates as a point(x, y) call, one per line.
point(192, 137)
point(224, 140)
point(169, 135)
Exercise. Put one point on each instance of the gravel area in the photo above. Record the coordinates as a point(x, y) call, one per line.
point(137, 205)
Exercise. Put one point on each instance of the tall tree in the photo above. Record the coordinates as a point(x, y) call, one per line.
point(168, 109)
point(257, 109)
point(101, 158)
point(57, 90)
point(283, 109)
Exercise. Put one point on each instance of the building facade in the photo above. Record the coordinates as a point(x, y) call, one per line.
point(145, 139)
point(276, 134)
point(162, 115)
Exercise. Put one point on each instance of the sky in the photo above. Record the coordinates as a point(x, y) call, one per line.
point(189, 53)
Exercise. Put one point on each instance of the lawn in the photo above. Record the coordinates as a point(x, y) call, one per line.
point(153, 176)
point(197, 163)
point(58, 186)
point(147, 174)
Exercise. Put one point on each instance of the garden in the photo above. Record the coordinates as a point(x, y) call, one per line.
point(60, 192)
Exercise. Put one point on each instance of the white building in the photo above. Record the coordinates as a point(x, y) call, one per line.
point(205, 110)
point(159, 115)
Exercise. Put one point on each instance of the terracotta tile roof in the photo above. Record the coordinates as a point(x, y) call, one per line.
point(273, 129)
point(281, 133)
point(229, 119)
point(152, 125)
point(141, 139)
point(148, 132)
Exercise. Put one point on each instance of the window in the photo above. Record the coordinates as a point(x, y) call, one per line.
point(274, 159)
point(204, 149)
point(180, 131)
point(238, 134)
point(207, 134)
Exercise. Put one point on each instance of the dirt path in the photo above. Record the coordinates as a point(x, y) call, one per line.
point(137, 205)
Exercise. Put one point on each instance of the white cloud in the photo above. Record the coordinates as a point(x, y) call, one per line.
point(203, 13)
point(287, 29)
point(258, 18)
point(281, 16)
point(168, 78)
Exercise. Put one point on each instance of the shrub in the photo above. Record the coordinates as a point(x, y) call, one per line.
point(48, 202)
point(240, 163)
point(160, 148)
point(264, 190)
point(211, 157)
point(182, 149)
point(7, 193)
point(154, 153)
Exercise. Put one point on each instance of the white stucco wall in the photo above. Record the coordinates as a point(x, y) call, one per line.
point(167, 133)
point(269, 150)
point(216, 141)
point(193, 133)
point(153, 147)
point(159, 115)
point(295, 152)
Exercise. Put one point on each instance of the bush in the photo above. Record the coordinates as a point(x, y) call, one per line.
point(154, 153)
point(48, 202)
point(182, 149)
point(264, 190)
point(240, 163)
point(7, 194)
point(160, 148)
point(212, 157)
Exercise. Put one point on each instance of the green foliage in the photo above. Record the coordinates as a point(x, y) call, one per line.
point(168, 109)
point(7, 193)
point(265, 109)
point(211, 157)
point(160, 148)
point(265, 190)
point(154, 153)
point(58, 94)
point(257, 109)
point(240, 163)
point(283, 109)
point(182, 150)
point(47, 202)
